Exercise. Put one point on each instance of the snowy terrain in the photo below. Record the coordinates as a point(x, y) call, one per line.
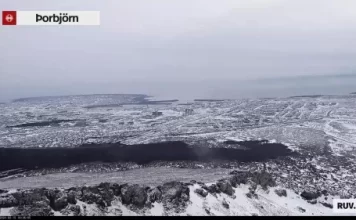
point(321, 129)
point(235, 195)
point(107, 118)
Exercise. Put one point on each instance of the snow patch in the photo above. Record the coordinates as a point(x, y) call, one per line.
point(5, 211)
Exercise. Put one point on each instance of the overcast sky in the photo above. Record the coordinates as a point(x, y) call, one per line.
point(175, 41)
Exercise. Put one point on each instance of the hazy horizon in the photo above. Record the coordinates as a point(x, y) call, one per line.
point(181, 47)
point(342, 84)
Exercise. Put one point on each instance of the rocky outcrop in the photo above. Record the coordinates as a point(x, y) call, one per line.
point(72, 210)
point(29, 203)
point(281, 192)
point(213, 189)
point(30, 197)
point(225, 187)
point(102, 194)
point(175, 191)
point(155, 195)
point(263, 179)
point(201, 192)
point(71, 197)
point(134, 194)
point(36, 209)
point(174, 196)
point(308, 195)
point(252, 191)
point(238, 178)
point(58, 199)
point(7, 201)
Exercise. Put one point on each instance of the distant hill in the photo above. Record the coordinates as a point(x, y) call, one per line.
point(306, 96)
point(209, 100)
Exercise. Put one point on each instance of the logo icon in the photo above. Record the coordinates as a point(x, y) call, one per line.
point(9, 18)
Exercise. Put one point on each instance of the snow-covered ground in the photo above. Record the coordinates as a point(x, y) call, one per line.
point(301, 121)
point(322, 129)
point(267, 203)
point(264, 203)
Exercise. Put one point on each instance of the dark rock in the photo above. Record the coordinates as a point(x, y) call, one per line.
point(263, 179)
point(30, 197)
point(90, 197)
point(101, 194)
point(134, 194)
point(106, 193)
point(71, 210)
point(188, 184)
point(102, 203)
point(104, 186)
point(225, 187)
point(239, 178)
point(301, 209)
point(175, 190)
point(252, 195)
point(36, 209)
point(252, 188)
point(233, 181)
point(3, 191)
point(116, 188)
point(212, 189)
point(281, 192)
point(324, 192)
point(201, 192)
point(327, 205)
point(207, 211)
point(155, 195)
point(76, 192)
point(249, 195)
point(175, 195)
point(61, 202)
point(71, 197)
point(225, 204)
point(58, 200)
point(7, 201)
point(205, 187)
point(309, 195)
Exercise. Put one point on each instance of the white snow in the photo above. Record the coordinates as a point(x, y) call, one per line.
point(157, 209)
point(267, 203)
point(5, 211)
